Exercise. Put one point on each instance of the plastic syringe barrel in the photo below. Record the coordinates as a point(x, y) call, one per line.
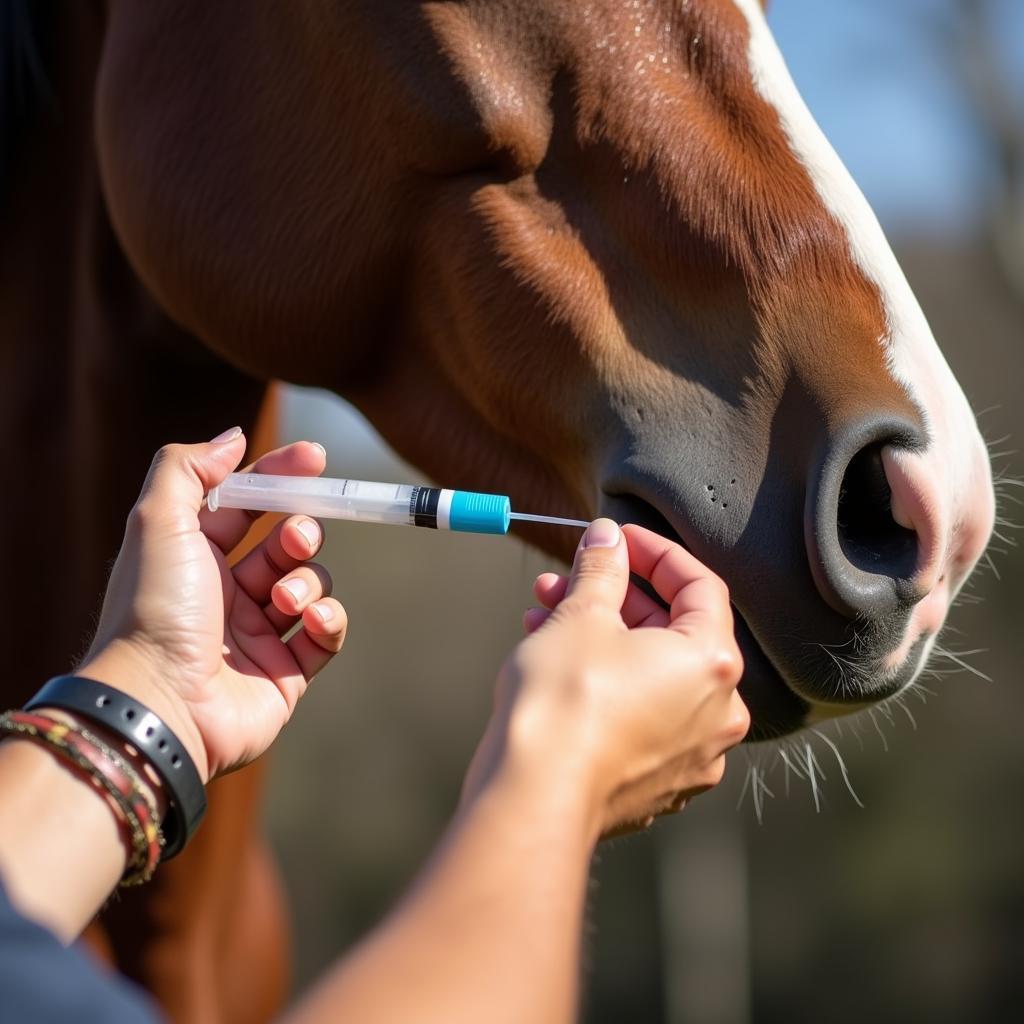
point(437, 508)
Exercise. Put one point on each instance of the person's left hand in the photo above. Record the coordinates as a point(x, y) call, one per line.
point(199, 642)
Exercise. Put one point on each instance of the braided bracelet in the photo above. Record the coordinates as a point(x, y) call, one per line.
point(107, 770)
point(130, 720)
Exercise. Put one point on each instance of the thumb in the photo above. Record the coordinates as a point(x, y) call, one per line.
point(181, 474)
point(600, 571)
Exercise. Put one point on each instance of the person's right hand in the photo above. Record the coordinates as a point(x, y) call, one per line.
point(638, 703)
point(201, 643)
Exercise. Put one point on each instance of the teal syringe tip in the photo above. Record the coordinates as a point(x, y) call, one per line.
point(472, 512)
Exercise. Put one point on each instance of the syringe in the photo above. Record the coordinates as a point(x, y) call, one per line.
point(401, 504)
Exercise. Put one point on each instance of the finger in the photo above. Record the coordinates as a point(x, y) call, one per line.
point(641, 610)
point(228, 526)
point(737, 723)
point(534, 618)
point(600, 571)
point(181, 474)
point(324, 625)
point(293, 594)
point(288, 545)
point(638, 609)
point(549, 588)
point(690, 589)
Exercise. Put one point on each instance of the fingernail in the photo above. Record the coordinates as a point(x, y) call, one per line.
point(297, 587)
point(228, 435)
point(324, 611)
point(601, 533)
point(317, 444)
point(311, 531)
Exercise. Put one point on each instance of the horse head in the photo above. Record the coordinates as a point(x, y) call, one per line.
point(594, 254)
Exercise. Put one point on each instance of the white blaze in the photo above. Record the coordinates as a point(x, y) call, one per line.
point(956, 462)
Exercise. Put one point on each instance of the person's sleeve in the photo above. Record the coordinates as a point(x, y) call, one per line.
point(47, 983)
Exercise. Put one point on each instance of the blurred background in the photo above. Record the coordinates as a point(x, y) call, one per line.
point(796, 906)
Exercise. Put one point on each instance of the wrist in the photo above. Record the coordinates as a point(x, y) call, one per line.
point(149, 782)
point(106, 767)
point(529, 767)
point(123, 666)
point(145, 734)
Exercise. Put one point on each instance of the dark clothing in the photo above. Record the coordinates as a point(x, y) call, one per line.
point(44, 982)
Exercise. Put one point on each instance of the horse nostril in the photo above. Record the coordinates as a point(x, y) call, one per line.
point(869, 536)
point(863, 561)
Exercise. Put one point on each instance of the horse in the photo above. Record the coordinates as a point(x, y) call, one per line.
point(594, 254)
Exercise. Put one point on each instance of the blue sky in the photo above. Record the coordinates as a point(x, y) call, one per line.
point(886, 97)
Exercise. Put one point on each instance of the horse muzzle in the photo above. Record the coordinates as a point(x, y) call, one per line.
point(842, 558)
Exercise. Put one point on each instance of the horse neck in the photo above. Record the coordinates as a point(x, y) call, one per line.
point(95, 377)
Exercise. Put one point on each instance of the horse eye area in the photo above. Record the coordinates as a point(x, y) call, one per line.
point(869, 536)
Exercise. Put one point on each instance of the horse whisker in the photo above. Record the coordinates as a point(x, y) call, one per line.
point(842, 767)
point(992, 565)
point(957, 657)
point(900, 702)
point(811, 763)
point(878, 729)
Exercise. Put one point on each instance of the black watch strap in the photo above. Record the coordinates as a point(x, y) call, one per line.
point(134, 722)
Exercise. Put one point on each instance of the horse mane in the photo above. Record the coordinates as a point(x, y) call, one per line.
point(26, 36)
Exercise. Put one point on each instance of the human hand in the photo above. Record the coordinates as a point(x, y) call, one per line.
point(636, 703)
point(200, 642)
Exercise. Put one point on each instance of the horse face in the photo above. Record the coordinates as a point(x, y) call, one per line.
point(760, 380)
point(596, 255)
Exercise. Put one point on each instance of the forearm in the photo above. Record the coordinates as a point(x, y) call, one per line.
point(490, 931)
point(61, 848)
point(63, 843)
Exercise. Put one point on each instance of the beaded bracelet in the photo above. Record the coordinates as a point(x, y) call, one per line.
point(107, 770)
